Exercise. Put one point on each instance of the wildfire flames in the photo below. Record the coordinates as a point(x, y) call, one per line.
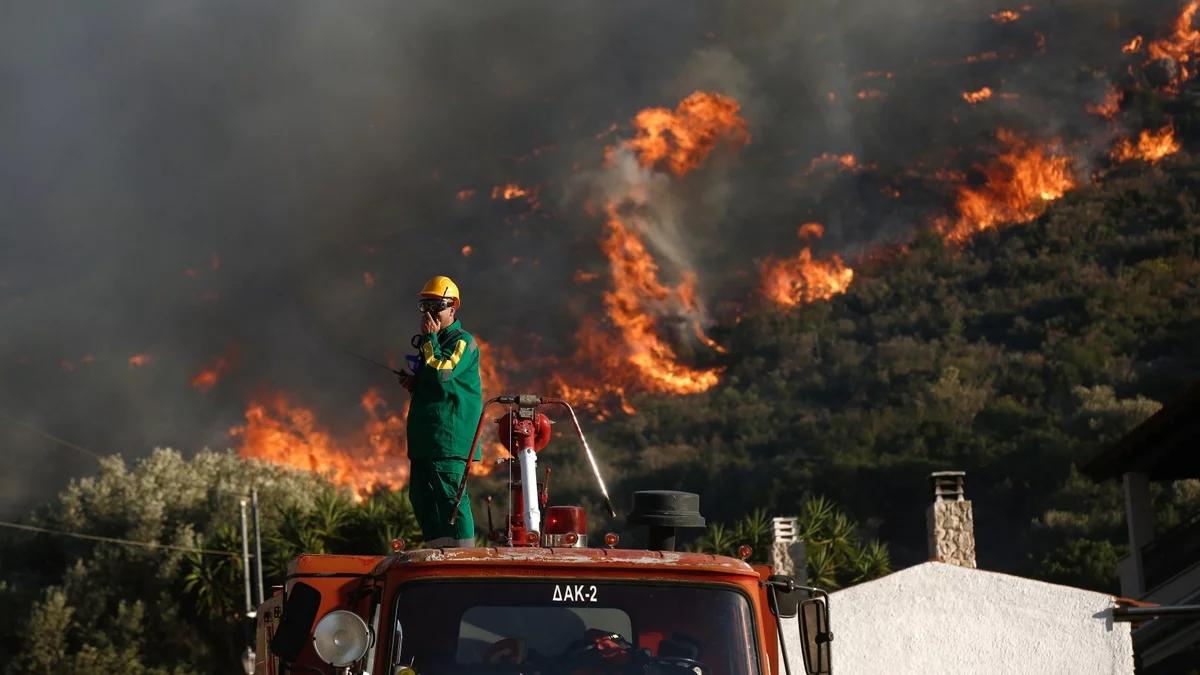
point(511, 191)
point(1151, 146)
point(139, 360)
point(635, 285)
point(653, 306)
point(974, 97)
point(1018, 185)
point(211, 373)
point(493, 385)
point(1181, 46)
point(801, 280)
point(846, 162)
point(629, 353)
point(1110, 106)
point(680, 140)
point(282, 433)
point(683, 138)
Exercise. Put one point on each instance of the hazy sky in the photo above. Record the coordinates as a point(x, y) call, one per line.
point(189, 179)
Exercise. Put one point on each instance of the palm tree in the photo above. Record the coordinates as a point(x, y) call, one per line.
point(835, 555)
point(716, 540)
point(213, 581)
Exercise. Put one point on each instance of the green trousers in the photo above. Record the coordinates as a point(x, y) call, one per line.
point(433, 485)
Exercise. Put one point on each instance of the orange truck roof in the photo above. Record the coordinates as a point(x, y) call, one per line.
point(457, 558)
point(569, 558)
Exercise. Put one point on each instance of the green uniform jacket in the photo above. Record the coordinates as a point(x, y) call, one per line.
point(447, 397)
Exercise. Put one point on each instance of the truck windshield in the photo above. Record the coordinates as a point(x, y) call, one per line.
point(552, 627)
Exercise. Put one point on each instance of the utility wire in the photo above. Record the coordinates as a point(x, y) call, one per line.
point(45, 434)
point(97, 456)
point(114, 540)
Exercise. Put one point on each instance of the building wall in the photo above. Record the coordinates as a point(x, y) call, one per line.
point(936, 618)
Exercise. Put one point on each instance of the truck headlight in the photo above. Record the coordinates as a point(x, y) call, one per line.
point(341, 638)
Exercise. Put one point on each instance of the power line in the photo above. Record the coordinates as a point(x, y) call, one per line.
point(95, 455)
point(114, 540)
point(61, 441)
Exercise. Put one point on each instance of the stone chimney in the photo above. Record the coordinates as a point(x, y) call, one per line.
point(950, 521)
point(787, 549)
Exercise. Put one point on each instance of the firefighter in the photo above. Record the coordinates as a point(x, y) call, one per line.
point(445, 408)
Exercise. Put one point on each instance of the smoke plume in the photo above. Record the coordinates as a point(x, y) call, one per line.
point(205, 203)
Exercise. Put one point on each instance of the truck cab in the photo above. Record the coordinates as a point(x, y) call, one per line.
point(542, 602)
point(569, 611)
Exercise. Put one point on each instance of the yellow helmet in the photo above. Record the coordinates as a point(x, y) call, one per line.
point(440, 287)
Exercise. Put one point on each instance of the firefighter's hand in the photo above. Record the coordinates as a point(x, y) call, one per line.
point(429, 324)
point(406, 380)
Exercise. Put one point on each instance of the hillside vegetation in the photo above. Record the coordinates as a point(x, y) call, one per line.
point(1012, 358)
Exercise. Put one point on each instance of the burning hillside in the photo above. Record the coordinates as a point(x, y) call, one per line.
point(278, 431)
point(1151, 146)
point(683, 138)
point(602, 221)
point(1015, 187)
point(801, 279)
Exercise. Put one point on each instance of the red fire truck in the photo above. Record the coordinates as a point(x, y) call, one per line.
point(541, 601)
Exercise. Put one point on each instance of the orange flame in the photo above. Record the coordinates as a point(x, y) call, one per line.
point(598, 349)
point(277, 431)
point(211, 373)
point(1151, 146)
point(801, 280)
point(510, 191)
point(870, 94)
point(1018, 186)
point(974, 97)
point(635, 285)
point(464, 195)
point(139, 360)
point(1005, 16)
point(493, 385)
point(629, 354)
point(846, 162)
point(811, 231)
point(683, 138)
point(1110, 106)
point(1133, 46)
point(1182, 46)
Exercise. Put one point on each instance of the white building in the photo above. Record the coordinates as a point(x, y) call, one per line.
point(946, 616)
point(942, 618)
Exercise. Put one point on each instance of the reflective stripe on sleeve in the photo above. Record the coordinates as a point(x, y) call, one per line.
point(447, 363)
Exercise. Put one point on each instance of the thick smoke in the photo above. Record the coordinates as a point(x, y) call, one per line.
point(274, 180)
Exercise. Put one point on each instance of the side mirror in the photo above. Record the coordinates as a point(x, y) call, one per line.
point(815, 635)
point(295, 626)
point(783, 596)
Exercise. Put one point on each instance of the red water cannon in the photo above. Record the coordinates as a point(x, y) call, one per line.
point(516, 433)
point(525, 431)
